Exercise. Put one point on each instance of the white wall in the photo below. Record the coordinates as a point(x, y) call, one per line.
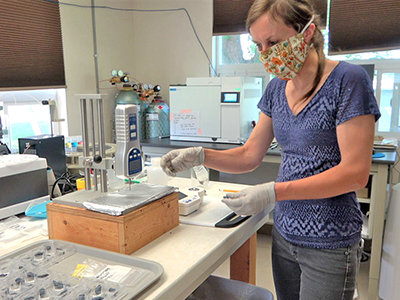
point(155, 47)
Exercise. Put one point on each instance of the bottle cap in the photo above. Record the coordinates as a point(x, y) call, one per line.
point(155, 161)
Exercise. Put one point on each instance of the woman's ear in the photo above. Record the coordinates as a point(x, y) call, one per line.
point(309, 33)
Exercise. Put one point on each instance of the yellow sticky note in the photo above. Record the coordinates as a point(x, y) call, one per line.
point(79, 269)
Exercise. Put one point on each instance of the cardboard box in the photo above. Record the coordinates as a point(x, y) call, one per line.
point(366, 191)
point(124, 234)
point(362, 193)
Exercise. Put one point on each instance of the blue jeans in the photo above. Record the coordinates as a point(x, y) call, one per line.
point(302, 273)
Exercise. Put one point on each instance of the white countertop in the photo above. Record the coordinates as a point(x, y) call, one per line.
point(190, 253)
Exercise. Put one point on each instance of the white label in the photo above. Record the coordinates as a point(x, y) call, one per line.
point(152, 117)
point(113, 273)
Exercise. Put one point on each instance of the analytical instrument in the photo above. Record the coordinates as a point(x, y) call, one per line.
point(214, 109)
point(128, 161)
point(23, 179)
point(50, 147)
point(128, 158)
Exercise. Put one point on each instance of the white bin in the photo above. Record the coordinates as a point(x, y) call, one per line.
point(389, 282)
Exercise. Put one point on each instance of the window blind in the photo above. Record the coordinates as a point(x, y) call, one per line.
point(31, 53)
point(230, 15)
point(363, 25)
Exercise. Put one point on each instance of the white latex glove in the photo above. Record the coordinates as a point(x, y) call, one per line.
point(182, 159)
point(251, 200)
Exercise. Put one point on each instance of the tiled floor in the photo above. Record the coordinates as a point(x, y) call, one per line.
point(264, 270)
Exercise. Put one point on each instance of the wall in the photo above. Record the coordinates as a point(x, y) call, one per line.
point(155, 47)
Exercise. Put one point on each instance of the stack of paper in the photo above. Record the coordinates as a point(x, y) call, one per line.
point(386, 144)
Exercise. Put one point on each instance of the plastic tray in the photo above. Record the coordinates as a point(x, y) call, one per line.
point(67, 265)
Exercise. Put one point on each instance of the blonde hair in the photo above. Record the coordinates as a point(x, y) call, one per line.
point(296, 14)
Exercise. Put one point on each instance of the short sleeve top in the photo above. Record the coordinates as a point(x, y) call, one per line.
point(309, 146)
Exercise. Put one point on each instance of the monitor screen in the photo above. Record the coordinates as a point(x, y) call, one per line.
point(230, 97)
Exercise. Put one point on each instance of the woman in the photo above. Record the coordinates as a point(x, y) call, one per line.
point(322, 114)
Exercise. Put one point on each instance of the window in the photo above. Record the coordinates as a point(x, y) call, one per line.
point(386, 85)
point(235, 56)
point(27, 120)
point(389, 102)
point(22, 114)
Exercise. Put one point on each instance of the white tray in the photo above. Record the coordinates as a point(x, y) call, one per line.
point(68, 265)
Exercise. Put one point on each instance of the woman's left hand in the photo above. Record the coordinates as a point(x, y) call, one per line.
point(251, 200)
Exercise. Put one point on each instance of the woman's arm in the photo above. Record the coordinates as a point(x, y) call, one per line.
point(355, 138)
point(249, 156)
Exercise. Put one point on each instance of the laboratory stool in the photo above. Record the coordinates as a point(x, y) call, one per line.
point(218, 288)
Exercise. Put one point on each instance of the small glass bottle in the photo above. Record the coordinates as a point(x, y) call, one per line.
point(201, 175)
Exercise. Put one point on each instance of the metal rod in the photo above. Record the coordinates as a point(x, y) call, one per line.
point(96, 62)
point(102, 144)
point(85, 141)
point(51, 122)
point(92, 122)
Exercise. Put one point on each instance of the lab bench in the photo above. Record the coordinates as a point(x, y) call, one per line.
point(379, 193)
point(191, 253)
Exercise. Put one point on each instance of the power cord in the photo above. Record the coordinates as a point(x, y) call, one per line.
point(145, 10)
point(66, 182)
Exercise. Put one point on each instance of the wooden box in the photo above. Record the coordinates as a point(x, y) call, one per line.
point(123, 234)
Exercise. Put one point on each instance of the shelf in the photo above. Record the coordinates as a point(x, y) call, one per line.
point(364, 200)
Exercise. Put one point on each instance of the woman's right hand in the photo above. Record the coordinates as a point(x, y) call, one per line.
point(182, 159)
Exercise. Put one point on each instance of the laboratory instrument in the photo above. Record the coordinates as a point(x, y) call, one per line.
point(127, 95)
point(122, 200)
point(128, 158)
point(142, 95)
point(190, 200)
point(23, 179)
point(94, 153)
point(214, 109)
point(189, 204)
point(50, 147)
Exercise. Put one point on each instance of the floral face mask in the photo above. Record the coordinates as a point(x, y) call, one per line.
point(285, 59)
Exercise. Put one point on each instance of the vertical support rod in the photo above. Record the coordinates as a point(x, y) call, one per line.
point(102, 144)
point(96, 62)
point(92, 122)
point(85, 141)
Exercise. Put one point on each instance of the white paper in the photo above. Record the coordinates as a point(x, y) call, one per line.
point(186, 123)
point(113, 273)
point(14, 231)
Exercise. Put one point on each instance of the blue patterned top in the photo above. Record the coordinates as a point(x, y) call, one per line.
point(309, 146)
